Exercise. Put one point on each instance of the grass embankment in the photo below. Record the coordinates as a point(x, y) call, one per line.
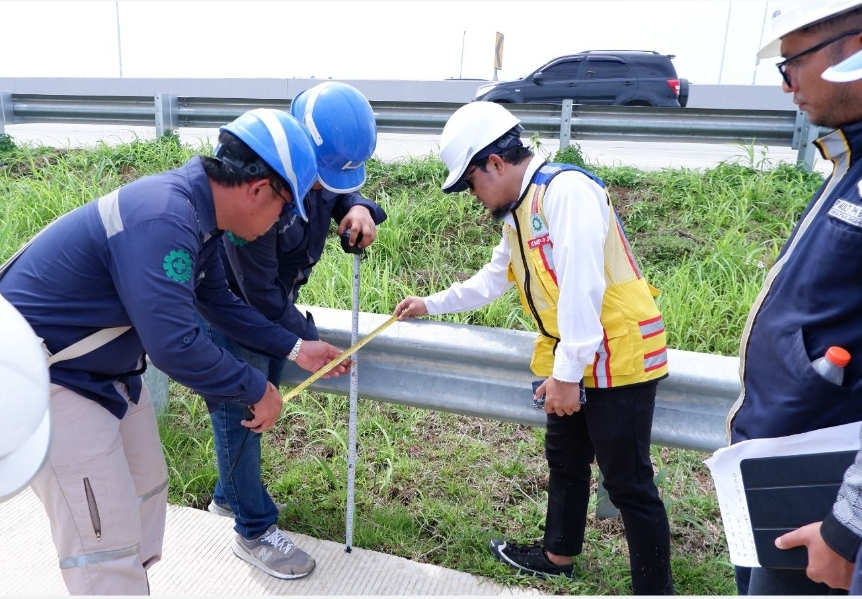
point(435, 487)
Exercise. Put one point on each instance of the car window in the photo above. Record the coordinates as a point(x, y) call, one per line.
point(605, 68)
point(656, 68)
point(562, 71)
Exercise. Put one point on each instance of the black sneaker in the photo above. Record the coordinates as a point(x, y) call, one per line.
point(529, 559)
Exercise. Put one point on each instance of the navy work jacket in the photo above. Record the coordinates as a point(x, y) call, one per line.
point(145, 256)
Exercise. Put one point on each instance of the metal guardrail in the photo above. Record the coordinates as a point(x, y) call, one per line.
point(484, 372)
point(168, 112)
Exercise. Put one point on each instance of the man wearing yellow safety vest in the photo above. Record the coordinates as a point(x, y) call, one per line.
point(599, 332)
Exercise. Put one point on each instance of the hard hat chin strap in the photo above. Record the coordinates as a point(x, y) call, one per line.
point(510, 139)
point(252, 169)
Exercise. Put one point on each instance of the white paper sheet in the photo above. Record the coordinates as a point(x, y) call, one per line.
point(724, 466)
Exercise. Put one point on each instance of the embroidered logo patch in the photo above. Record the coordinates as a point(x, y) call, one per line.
point(847, 212)
point(178, 265)
point(536, 222)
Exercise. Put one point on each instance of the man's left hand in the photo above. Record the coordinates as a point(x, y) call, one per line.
point(824, 565)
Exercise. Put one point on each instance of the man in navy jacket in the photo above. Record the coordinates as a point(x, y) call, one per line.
point(812, 295)
point(137, 263)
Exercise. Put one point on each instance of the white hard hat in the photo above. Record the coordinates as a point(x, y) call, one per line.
point(469, 130)
point(849, 69)
point(25, 425)
point(791, 16)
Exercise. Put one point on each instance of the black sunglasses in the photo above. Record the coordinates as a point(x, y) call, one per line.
point(470, 170)
point(288, 204)
point(782, 66)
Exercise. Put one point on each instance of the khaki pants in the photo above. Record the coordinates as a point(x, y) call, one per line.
point(104, 487)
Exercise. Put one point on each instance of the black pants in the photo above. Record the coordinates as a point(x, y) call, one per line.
point(614, 428)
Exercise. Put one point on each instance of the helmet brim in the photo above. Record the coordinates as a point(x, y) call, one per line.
point(459, 185)
point(338, 181)
point(454, 182)
point(20, 466)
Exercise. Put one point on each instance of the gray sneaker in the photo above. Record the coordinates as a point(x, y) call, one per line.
point(223, 509)
point(275, 553)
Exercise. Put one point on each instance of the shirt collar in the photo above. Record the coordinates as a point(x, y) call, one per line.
point(535, 164)
point(202, 196)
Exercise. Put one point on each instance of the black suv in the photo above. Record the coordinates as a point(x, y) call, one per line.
point(608, 77)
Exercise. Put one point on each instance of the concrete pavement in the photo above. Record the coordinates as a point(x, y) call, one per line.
point(198, 560)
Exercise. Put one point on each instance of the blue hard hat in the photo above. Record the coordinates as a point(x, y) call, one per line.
point(342, 126)
point(284, 145)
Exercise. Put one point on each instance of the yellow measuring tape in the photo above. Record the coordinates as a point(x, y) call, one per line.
point(338, 360)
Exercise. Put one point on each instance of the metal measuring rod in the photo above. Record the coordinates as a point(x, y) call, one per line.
point(355, 344)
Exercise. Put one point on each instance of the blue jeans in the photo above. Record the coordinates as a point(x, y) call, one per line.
point(238, 451)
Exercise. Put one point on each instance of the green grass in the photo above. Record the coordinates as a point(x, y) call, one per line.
point(431, 486)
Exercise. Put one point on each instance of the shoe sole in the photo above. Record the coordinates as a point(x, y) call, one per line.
point(241, 553)
point(496, 551)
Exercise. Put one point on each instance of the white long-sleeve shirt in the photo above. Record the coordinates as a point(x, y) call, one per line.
point(578, 219)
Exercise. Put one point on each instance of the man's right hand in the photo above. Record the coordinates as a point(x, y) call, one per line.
point(410, 307)
point(314, 355)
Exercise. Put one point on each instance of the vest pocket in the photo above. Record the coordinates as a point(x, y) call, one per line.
point(615, 355)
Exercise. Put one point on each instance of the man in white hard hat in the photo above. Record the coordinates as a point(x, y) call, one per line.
point(25, 429)
point(599, 331)
point(811, 298)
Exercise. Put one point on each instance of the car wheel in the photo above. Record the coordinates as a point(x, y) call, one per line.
point(683, 92)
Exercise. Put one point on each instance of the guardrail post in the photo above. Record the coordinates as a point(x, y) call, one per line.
point(566, 125)
point(807, 134)
point(797, 129)
point(605, 508)
point(7, 114)
point(157, 384)
point(167, 113)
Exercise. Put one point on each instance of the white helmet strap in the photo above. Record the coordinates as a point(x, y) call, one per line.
point(308, 117)
point(279, 137)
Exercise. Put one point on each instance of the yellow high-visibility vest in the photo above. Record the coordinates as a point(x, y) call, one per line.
point(634, 348)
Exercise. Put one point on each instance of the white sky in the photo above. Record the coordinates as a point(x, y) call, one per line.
point(714, 41)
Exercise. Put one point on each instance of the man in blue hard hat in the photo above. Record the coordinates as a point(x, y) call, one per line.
point(269, 273)
point(119, 279)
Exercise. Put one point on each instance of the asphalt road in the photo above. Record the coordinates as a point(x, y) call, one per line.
point(395, 146)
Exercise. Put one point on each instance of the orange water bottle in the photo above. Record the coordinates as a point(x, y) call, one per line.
point(831, 366)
